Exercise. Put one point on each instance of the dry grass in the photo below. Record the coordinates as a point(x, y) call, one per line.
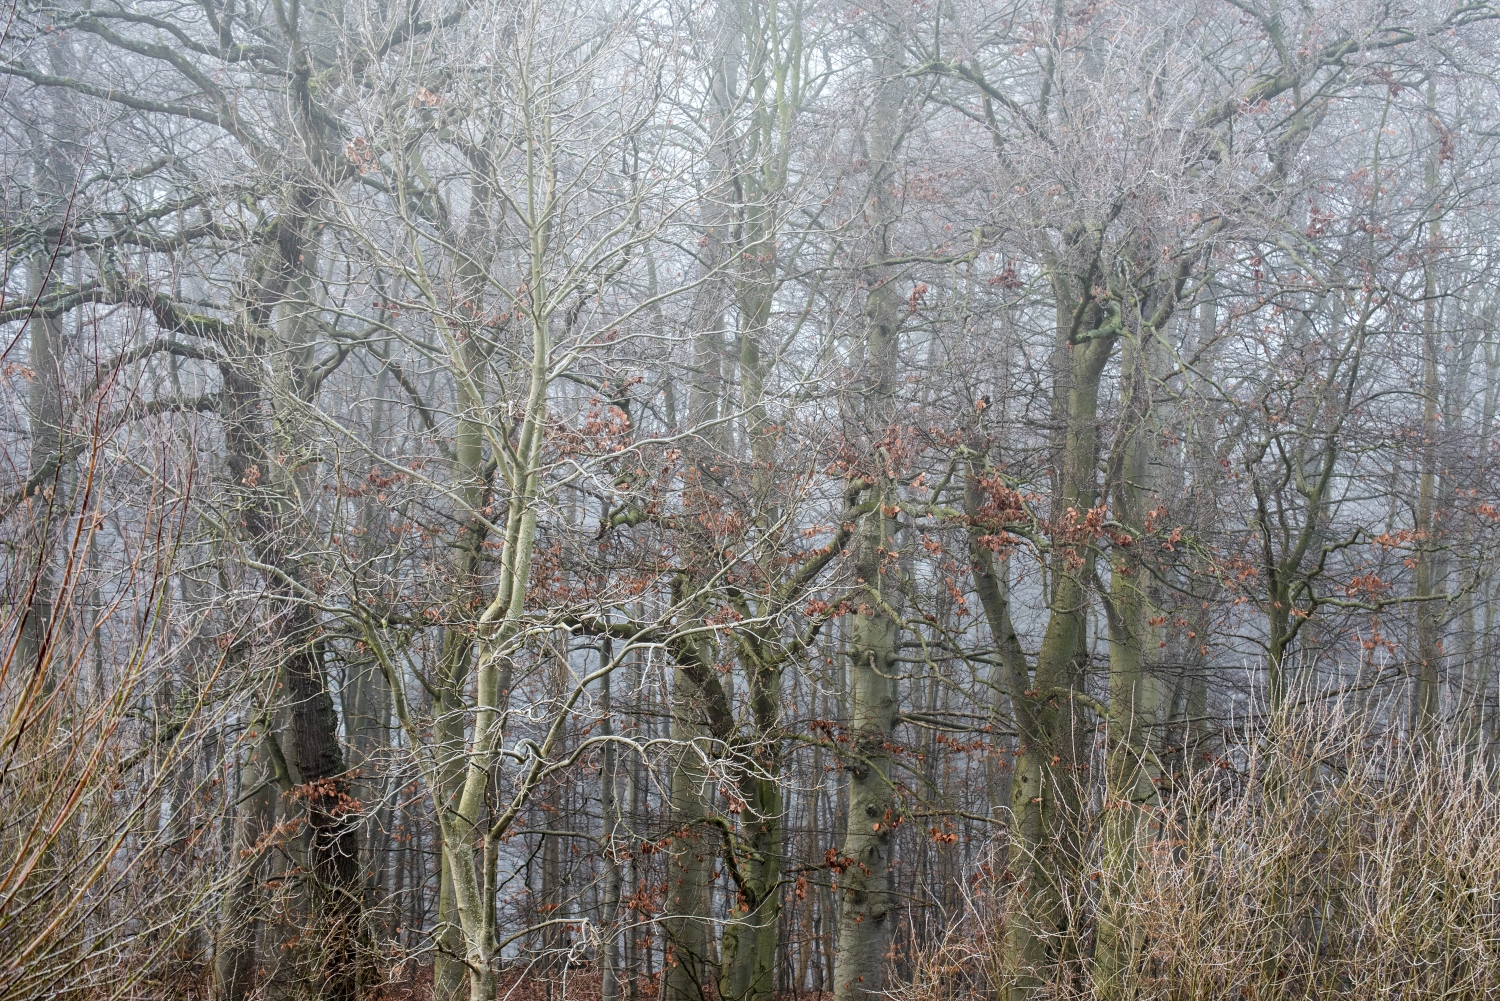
point(1318, 857)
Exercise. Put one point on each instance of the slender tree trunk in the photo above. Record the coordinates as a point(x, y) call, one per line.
point(865, 902)
point(1429, 655)
point(690, 858)
point(611, 839)
point(239, 924)
point(1480, 644)
point(469, 839)
point(450, 702)
point(56, 176)
point(866, 905)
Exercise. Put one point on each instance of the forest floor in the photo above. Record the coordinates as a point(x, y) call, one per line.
point(530, 984)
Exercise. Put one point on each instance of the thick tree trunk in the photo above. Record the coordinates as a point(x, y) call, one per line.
point(366, 707)
point(750, 939)
point(44, 417)
point(1045, 791)
point(685, 924)
point(274, 490)
point(866, 905)
point(330, 835)
point(1000, 758)
point(1136, 693)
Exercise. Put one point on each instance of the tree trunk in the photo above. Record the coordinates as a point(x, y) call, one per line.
point(1045, 789)
point(274, 488)
point(611, 840)
point(689, 859)
point(1136, 695)
point(239, 923)
point(56, 177)
point(750, 938)
point(1429, 654)
point(865, 901)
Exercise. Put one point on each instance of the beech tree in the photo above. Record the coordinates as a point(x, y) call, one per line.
point(745, 499)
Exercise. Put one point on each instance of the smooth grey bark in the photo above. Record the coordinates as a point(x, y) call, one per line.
point(685, 924)
point(999, 762)
point(635, 777)
point(1137, 695)
point(865, 900)
point(773, 67)
point(450, 974)
point(44, 417)
point(1204, 518)
point(1481, 670)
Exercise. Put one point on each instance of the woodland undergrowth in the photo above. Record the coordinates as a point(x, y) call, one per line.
point(1314, 854)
